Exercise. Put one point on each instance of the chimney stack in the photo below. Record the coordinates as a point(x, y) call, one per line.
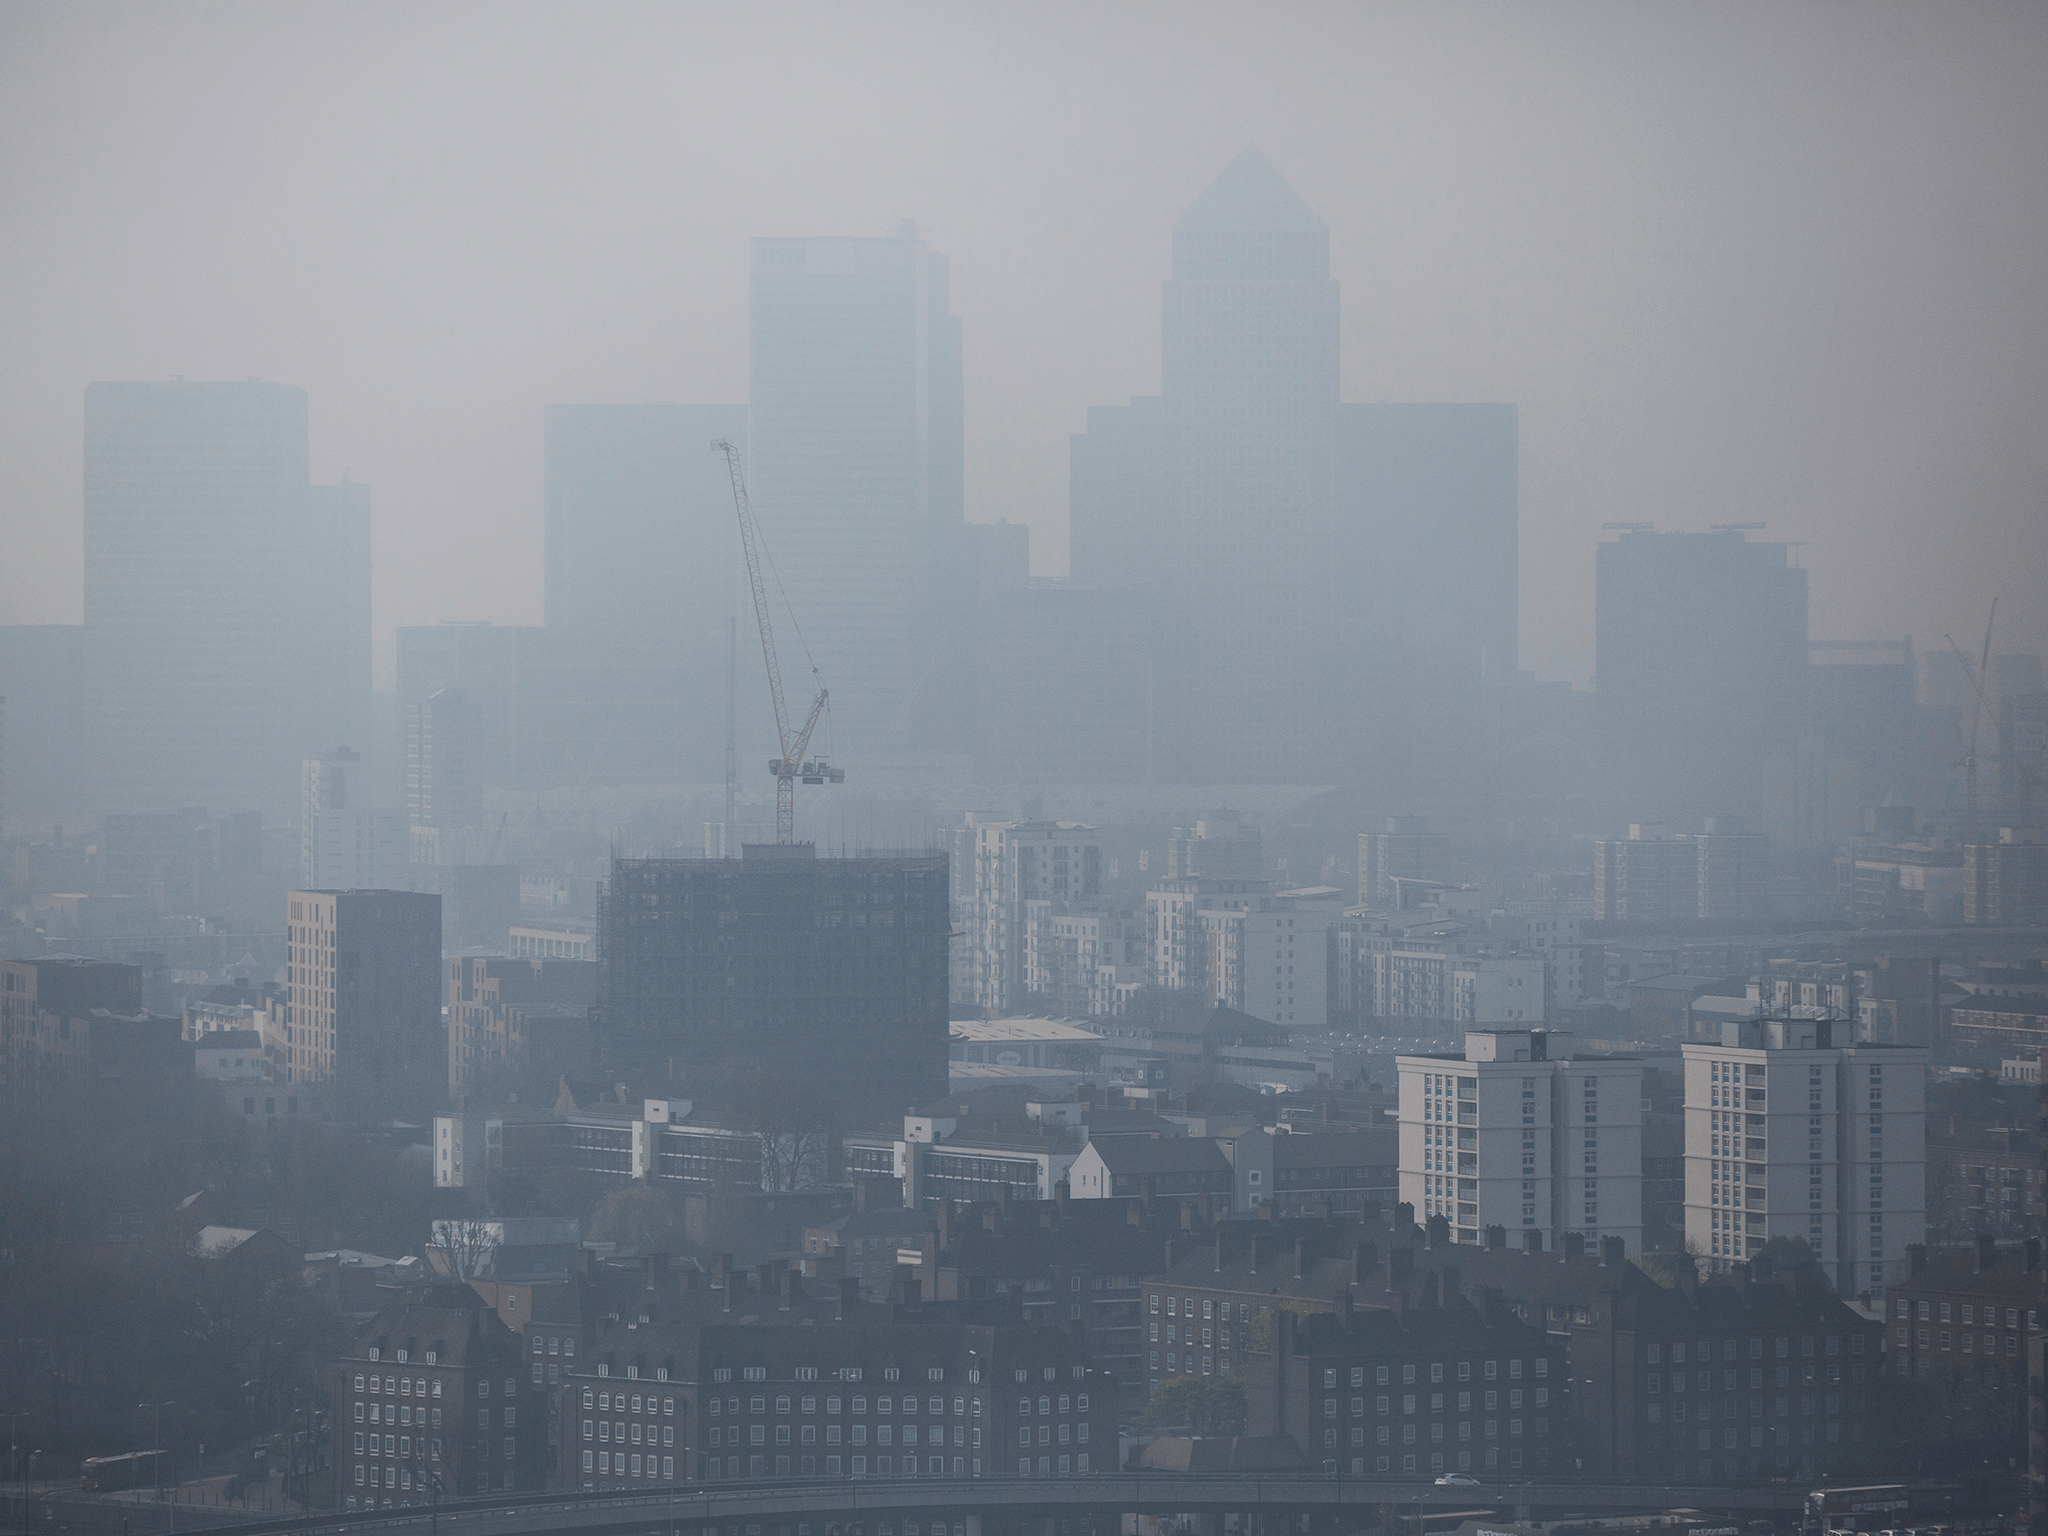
point(1400, 1267)
point(1365, 1258)
point(1439, 1232)
point(721, 1276)
point(1613, 1250)
point(849, 1297)
point(1987, 1251)
point(1496, 1238)
point(1300, 1245)
point(1532, 1241)
point(1404, 1217)
point(1573, 1247)
point(787, 1300)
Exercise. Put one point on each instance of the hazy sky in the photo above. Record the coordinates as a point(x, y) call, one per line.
point(1735, 263)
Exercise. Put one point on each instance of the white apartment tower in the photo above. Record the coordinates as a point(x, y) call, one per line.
point(1506, 1135)
point(1016, 862)
point(1789, 1134)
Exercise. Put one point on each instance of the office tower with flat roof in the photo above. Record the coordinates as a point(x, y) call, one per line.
point(1700, 656)
point(1510, 1134)
point(1792, 1130)
point(830, 973)
point(42, 683)
point(364, 999)
point(1302, 550)
point(855, 427)
point(226, 601)
point(624, 684)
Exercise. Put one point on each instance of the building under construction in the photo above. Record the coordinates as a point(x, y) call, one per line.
point(830, 971)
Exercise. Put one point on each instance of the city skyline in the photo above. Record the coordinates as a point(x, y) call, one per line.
point(1627, 413)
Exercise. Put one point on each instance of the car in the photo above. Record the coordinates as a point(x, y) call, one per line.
point(1457, 1480)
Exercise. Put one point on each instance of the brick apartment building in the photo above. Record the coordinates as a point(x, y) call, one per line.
point(928, 1393)
point(433, 1394)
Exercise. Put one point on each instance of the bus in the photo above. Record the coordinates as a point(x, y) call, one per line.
point(1876, 1507)
point(137, 1469)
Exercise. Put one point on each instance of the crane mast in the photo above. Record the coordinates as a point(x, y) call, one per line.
point(790, 766)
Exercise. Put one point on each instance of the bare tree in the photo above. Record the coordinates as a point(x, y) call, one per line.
point(796, 1124)
point(466, 1245)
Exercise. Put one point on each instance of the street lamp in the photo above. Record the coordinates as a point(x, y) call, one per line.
point(157, 1461)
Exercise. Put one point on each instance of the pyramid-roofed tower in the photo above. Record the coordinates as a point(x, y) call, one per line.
point(1249, 194)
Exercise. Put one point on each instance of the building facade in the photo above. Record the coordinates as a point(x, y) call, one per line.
point(1016, 863)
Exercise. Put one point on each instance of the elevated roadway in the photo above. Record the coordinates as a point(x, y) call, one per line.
point(711, 1509)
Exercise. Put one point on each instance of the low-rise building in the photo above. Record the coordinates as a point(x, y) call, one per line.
point(929, 1392)
point(1447, 1387)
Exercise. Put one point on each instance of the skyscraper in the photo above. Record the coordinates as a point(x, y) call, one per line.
point(226, 602)
point(856, 425)
point(1700, 655)
point(627, 680)
point(1302, 550)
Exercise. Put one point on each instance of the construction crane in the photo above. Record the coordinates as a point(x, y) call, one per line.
point(1969, 758)
point(2026, 773)
point(792, 764)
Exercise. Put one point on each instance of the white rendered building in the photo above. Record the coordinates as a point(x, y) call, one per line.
point(1507, 1136)
point(1789, 1134)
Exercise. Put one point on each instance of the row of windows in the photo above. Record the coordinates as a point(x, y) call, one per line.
point(1731, 1408)
point(2012, 1342)
point(1703, 1351)
point(1382, 1375)
point(416, 1386)
point(807, 1434)
point(395, 1413)
point(1783, 1376)
point(2012, 1314)
point(1410, 1434)
point(936, 1406)
point(1436, 1402)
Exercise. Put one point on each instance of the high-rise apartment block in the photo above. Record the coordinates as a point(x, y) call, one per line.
point(1792, 1130)
point(1083, 961)
point(443, 778)
point(1218, 847)
point(2006, 881)
point(1507, 1136)
point(1405, 850)
point(1647, 877)
point(364, 997)
point(1016, 862)
point(345, 843)
point(832, 971)
point(1734, 872)
point(227, 600)
point(1174, 912)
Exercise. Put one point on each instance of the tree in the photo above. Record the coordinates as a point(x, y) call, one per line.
point(466, 1244)
point(796, 1124)
point(1209, 1405)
